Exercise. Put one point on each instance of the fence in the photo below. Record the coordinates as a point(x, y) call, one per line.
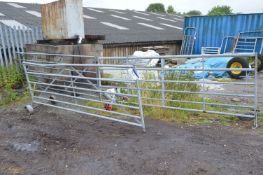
point(149, 88)
point(13, 40)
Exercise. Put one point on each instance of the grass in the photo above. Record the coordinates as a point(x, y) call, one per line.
point(260, 117)
point(170, 115)
point(223, 80)
point(11, 79)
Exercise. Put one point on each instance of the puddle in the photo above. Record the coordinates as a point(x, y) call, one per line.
point(26, 147)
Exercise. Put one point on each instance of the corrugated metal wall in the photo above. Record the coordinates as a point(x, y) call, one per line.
point(212, 29)
point(109, 51)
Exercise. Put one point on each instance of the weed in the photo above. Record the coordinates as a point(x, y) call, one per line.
point(179, 99)
point(11, 78)
point(151, 98)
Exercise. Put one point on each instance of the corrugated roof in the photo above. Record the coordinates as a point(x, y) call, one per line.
point(119, 26)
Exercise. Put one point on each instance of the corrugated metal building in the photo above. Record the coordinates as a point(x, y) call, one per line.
point(125, 30)
point(212, 29)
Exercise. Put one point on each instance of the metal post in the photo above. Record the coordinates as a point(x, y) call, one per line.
point(73, 90)
point(12, 44)
point(20, 39)
point(15, 31)
point(162, 79)
point(1, 58)
point(256, 92)
point(33, 35)
point(28, 82)
point(28, 33)
point(98, 72)
point(98, 76)
point(2, 38)
point(140, 104)
point(8, 45)
point(203, 85)
point(23, 30)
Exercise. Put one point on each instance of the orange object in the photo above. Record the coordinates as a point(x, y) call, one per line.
point(108, 107)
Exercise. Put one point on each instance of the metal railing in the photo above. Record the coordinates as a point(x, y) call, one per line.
point(189, 38)
point(138, 88)
point(13, 39)
point(210, 50)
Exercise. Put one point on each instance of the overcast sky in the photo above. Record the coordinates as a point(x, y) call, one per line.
point(243, 6)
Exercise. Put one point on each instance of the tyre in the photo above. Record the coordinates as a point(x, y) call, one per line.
point(237, 62)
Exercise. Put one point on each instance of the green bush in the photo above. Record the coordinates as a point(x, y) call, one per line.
point(11, 78)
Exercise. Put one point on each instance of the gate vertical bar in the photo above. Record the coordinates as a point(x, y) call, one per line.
point(162, 79)
point(140, 104)
point(203, 85)
point(28, 82)
point(256, 91)
point(98, 75)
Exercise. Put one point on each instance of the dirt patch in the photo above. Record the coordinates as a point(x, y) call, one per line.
point(69, 143)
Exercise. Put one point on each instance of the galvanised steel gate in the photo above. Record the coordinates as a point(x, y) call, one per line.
point(122, 92)
point(177, 88)
point(80, 88)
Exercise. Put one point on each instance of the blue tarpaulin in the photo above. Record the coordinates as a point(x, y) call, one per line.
point(213, 62)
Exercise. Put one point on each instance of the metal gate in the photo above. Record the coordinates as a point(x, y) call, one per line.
point(80, 88)
point(130, 89)
point(177, 88)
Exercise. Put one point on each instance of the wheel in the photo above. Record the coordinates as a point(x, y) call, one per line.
point(237, 62)
point(29, 108)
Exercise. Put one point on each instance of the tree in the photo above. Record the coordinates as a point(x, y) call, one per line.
point(220, 10)
point(156, 7)
point(170, 9)
point(194, 13)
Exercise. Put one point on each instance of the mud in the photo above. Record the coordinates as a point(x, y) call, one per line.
point(53, 142)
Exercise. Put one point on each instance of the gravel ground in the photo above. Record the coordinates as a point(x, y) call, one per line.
point(57, 142)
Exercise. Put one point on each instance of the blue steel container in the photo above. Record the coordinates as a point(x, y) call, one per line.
point(212, 29)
